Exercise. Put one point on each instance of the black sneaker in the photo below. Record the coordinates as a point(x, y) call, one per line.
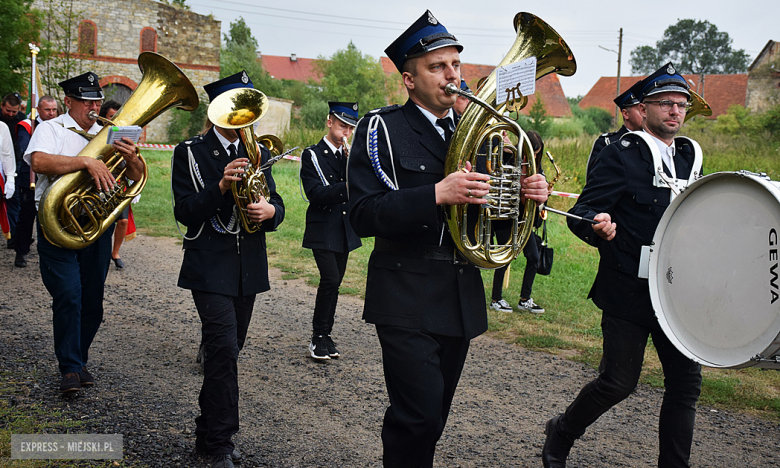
point(319, 348)
point(70, 383)
point(86, 378)
point(332, 351)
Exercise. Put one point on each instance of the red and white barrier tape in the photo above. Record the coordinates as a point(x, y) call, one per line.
point(156, 147)
point(565, 195)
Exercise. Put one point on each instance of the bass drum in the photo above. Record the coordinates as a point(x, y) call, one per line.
point(714, 274)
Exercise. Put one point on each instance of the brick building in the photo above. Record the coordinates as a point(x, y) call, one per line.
point(108, 40)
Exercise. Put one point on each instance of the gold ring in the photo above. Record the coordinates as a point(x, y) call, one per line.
point(469, 193)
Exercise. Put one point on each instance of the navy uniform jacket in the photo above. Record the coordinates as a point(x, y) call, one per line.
point(604, 140)
point(227, 264)
point(407, 290)
point(327, 223)
point(621, 184)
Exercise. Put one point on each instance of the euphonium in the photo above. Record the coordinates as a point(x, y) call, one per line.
point(73, 214)
point(481, 127)
point(239, 109)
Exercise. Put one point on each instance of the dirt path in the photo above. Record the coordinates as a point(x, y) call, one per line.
point(300, 413)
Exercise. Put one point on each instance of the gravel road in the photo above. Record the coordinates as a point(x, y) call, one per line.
point(300, 413)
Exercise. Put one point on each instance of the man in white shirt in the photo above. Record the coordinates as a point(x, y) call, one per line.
point(75, 277)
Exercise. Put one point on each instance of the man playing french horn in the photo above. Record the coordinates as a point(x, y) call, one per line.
point(426, 303)
point(75, 277)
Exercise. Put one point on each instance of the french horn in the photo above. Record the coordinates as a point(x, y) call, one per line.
point(72, 212)
point(480, 134)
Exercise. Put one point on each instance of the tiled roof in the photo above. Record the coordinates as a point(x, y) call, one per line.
point(720, 91)
point(285, 68)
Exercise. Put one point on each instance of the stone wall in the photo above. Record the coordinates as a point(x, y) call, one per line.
point(277, 120)
point(190, 40)
point(763, 88)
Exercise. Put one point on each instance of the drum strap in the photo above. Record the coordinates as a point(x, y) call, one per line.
point(660, 179)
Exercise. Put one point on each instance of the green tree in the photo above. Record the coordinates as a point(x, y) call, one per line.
point(60, 30)
point(351, 76)
point(694, 47)
point(20, 26)
point(239, 52)
point(177, 3)
point(539, 119)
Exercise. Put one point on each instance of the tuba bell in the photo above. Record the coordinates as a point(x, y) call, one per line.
point(72, 212)
point(481, 128)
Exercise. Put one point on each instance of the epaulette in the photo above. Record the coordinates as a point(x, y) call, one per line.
point(386, 109)
point(194, 140)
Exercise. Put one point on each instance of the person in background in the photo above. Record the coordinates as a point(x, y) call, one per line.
point(328, 232)
point(107, 111)
point(11, 115)
point(632, 121)
point(530, 251)
point(426, 302)
point(47, 110)
point(7, 168)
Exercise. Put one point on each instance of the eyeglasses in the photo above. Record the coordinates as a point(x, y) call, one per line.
point(667, 105)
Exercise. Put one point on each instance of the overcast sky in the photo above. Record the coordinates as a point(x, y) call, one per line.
point(312, 28)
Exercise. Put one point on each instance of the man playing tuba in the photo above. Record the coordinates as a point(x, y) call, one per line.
point(75, 277)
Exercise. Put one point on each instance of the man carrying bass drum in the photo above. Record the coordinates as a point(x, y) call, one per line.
point(627, 195)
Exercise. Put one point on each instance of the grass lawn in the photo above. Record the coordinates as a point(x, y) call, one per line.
point(571, 324)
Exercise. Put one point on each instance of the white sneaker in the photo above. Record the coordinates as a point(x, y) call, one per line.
point(530, 306)
point(501, 306)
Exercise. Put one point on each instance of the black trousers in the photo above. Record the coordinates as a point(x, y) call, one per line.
point(421, 373)
point(624, 349)
point(224, 324)
point(332, 266)
point(531, 252)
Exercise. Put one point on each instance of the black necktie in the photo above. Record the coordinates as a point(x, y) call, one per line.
point(444, 124)
point(232, 151)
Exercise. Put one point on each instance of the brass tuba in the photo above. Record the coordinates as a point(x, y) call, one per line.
point(481, 128)
point(73, 214)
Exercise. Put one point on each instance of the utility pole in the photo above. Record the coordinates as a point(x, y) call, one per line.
point(619, 54)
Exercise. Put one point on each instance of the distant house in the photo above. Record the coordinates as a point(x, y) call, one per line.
point(289, 68)
point(302, 69)
point(720, 91)
point(763, 89)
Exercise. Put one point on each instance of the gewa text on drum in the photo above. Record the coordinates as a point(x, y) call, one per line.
point(713, 271)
